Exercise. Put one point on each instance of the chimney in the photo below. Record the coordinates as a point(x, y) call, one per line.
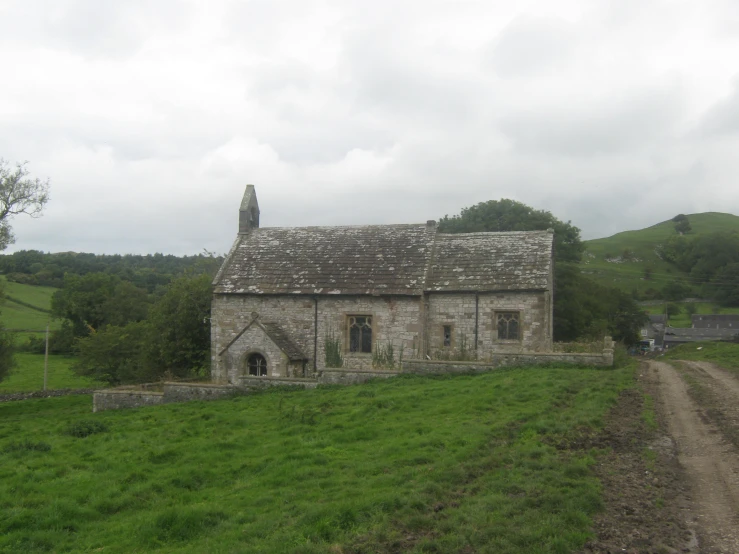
point(249, 211)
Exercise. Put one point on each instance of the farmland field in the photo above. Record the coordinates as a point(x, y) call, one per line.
point(29, 375)
point(412, 464)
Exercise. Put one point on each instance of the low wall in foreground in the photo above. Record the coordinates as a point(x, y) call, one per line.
point(251, 382)
point(353, 376)
point(113, 399)
point(425, 367)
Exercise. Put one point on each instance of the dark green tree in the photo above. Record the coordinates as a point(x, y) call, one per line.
point(682, 224)
point(92, 301)
point(582, 308)
point(510, 215)
point(180, 327)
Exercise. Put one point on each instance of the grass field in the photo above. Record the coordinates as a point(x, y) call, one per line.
point(683, 318)
point(628, 274)
point(17, 316)
point(412, 464)
point(29, 375)
point(37, 296)
point(725, 354)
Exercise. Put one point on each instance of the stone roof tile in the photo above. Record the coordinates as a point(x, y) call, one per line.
point(384, 260)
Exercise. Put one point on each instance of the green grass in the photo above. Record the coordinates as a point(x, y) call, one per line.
point(29, 375)
point(37, 296)
point(683, 318)
point(629, 275)
point(17, 316)
point(725, 354)
point(410, 464)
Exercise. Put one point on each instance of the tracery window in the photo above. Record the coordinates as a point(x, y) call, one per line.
point(256, 365)
point(360, 333)
point(508, 325)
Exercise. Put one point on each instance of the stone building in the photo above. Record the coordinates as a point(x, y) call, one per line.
point(290, 302)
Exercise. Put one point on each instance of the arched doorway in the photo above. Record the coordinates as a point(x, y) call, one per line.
point(256, 365)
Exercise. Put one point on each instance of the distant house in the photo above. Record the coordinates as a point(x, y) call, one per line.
point(655, 328)
point(715, 321)
point(289, 302)
point(677, 335)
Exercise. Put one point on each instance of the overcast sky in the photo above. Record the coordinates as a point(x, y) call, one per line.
point(150, 116)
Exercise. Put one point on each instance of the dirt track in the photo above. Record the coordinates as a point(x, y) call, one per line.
point(700, 404)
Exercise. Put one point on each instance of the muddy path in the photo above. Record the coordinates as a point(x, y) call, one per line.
point(699, 404)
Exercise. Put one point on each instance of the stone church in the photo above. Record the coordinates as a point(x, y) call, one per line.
point(292, 301)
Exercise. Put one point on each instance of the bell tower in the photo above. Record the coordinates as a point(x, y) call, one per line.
point(249, 211)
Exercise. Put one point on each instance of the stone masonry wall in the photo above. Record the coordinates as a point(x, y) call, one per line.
point(395, 320)
point(458, 310)
point(119, 399)
point(254, 340)
point(352, 376)
point(231, 313)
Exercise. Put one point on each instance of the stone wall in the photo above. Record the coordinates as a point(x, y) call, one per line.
point(352, 376)
point(231, 313)
point(459, 311)
point(254, 340)
point(396, 320)
point(183, 392)
point(261, 382)
point(604, 359)
point(113, 399)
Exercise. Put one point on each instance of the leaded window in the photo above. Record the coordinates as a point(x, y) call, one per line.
point(257, 365)
point(360, 333)
point(508, 325)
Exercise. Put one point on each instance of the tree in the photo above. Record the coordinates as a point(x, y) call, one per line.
point(510, 215)
point(682, 225)
point(672, 309)
point(582, 308)
point(19, 194)
point(7, 351)
point(180, 327)
point(97, 299)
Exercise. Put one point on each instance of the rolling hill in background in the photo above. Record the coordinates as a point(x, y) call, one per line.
point(630, 260)
point(26, 307)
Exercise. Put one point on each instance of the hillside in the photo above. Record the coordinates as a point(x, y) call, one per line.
point(26, 307)
point(624, 259)
point(483, 463)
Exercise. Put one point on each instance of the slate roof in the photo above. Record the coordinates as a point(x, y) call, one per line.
point(679, 334)
point(715, 321)
point(280, 338)
point(383, 260)
point(276, 334)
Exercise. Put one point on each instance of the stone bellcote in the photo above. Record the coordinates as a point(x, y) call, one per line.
point(249, 211)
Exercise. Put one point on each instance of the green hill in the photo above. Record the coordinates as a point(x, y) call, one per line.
point(26, 307)
point(473, 463)
point(630, 260)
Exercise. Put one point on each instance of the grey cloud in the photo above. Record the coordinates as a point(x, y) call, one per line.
point(611, 126)
point(723, 117)
point(529, 44)
point(91, 28)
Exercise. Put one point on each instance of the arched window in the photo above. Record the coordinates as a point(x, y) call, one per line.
point(256, 365)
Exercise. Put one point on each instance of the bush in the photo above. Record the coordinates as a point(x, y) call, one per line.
point(7, 352)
